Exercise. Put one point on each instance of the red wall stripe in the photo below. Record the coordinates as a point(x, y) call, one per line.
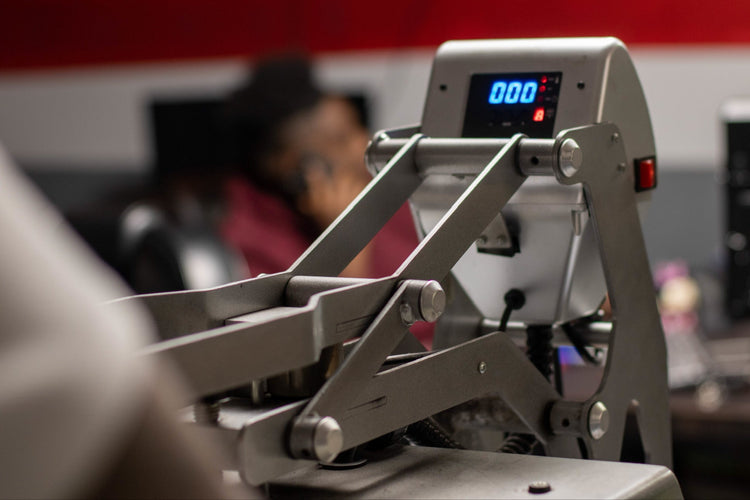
point(54, 33)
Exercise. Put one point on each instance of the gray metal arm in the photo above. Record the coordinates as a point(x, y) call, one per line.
point(635, 372)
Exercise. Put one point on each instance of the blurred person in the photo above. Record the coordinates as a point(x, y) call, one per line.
point(81, 413)
point(300, 163)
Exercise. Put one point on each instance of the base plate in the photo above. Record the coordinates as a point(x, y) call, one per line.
point(419, 472)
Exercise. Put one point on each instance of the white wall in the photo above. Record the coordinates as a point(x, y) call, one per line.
point(685, 89)
point(96, 118)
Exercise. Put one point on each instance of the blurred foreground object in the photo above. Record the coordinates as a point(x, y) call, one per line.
point(81, 414)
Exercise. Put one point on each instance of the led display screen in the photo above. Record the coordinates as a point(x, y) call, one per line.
point(504, 104)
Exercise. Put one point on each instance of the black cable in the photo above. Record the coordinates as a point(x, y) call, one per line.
point(514, 300)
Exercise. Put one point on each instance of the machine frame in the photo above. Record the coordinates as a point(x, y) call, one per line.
point(230, 336)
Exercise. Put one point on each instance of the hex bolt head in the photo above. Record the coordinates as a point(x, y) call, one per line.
point(407, 314)
point(570, 157)
point(431, 301)
point(598, 420)
point(482, 367)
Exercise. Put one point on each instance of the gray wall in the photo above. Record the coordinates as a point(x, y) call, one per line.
point(686, 219)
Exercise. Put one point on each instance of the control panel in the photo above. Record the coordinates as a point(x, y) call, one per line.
point(537, 87)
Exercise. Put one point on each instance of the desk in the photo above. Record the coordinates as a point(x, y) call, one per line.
point(712, 449)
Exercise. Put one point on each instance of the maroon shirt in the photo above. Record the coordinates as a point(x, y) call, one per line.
point(268, 233)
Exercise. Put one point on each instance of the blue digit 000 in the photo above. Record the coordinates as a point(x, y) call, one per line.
point(513, 92)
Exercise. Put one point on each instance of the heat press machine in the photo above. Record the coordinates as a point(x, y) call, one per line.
point(525, 179)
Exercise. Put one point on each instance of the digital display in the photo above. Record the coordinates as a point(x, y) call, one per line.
point(504, 104)
point(505, 92)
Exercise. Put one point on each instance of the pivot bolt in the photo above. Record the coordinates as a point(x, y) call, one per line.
point(482, 367)
point(570, 157)
point(316, 438)
point(422, 301)
point(598, 420)
point(328, 440)
point(431, 301)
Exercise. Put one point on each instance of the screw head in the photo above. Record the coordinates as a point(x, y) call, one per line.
point(598, 420)
point(615, 137)
point(482, 367)
point(570, 157)
point(538, 487)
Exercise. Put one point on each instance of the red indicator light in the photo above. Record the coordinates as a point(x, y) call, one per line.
point(544, 79)
point(645, 174)
point(538, 115)
point(542, 88)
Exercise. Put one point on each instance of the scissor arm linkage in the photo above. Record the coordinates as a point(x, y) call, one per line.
point(307, 310)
